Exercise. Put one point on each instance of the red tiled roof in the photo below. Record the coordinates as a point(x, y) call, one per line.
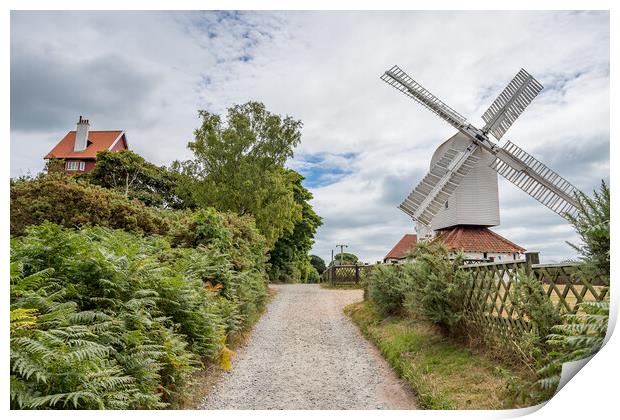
point(97, 141)
point(403, 246)
point(476, 239)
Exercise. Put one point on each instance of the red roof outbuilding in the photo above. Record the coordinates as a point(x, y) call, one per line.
point(403, 247)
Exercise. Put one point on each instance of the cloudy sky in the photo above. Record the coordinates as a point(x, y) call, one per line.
point(364, 145)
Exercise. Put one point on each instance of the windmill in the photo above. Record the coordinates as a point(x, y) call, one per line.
point(465, 167)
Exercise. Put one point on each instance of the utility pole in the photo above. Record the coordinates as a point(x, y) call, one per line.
point(342, 246)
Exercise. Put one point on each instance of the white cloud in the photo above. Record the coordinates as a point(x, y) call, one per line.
point(324, 68)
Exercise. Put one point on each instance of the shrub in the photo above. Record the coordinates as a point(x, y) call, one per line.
point(386, 287)
point(592, 224)
point(62, 200)
point(530, 298)
point(313, 275)
point(437, 286)
point(318, 263)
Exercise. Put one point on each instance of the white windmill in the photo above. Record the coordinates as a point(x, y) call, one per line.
point(461, 186)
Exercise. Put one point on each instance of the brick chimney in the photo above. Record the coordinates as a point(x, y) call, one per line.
point(81, 135)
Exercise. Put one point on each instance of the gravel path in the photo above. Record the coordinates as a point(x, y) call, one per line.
point(305, 353)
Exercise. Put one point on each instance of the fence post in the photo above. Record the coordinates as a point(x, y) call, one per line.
point(357, 273)
point(531, 257)
point(333, 276)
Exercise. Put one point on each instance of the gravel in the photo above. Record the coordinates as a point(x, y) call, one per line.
point(305, 353)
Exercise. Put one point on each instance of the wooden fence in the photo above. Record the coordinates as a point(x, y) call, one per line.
point(490, 304)
point(346, 273)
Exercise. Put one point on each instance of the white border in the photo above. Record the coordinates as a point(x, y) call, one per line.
point(591, 394)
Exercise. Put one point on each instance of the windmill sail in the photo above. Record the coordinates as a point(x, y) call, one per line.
point(503, 112)
point(445, 176)
point(536, 179)
point(398, 79)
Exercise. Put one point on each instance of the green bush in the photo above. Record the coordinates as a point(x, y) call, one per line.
point(386, 287)
point(592, 225)
point(437, 286)
point(529, 297)
point(104, 318)
point(313, 275)
point(62, 200)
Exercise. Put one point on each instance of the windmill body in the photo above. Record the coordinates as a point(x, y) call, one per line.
point(476, 200)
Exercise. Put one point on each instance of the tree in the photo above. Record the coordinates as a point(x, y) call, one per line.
point(238, 166)
point(289, 257)
point(346, 258)
point(318, 263)
point(134, 177)
point(592, 224)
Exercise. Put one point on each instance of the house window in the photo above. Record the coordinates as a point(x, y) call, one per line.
point(81, 166)
point(485, 255)
point(72, 166)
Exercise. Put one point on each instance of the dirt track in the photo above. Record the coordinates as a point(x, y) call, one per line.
point(305, 353)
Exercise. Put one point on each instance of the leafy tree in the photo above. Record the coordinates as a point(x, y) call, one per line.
point(289, 257)
point(318, 263)
point(592, 224)
point(238, 166)
point(346, 258)
point(134, 177)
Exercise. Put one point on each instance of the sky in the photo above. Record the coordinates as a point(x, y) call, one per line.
point(364, 145)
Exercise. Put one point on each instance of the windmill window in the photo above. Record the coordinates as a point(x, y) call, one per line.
point(446, 205)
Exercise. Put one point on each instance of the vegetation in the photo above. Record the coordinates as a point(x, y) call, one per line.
point(437, 286)
point(63, 200)
point(592, 225)
point(127, 280)
point(581, 335)
point(238, 166)
point(386, 288)
point(131, 175)
point(346, 258)
point(129, 317)
point(578, 337)
point(289, 260)
point(431, 288)
point(318, 263)
point(442, 373)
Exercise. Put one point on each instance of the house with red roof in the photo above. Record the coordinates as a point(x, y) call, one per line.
point(398, 254)
point(79, 148)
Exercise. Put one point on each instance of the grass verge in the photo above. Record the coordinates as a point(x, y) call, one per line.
point(204, 380)
point(442, 373)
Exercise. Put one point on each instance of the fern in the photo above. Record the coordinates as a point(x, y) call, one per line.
point(109, 319)
point(578, 337)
